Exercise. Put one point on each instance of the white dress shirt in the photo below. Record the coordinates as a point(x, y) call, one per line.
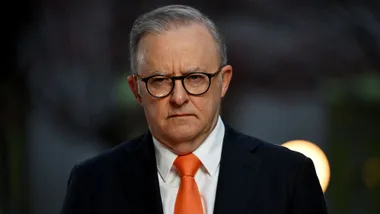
point(209, 153)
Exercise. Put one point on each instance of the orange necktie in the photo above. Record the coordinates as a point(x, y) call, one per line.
point(188, 197)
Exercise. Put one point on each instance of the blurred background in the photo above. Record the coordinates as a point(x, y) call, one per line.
point(305, 70)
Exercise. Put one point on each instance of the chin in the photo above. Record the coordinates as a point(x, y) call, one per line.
point(183, 133)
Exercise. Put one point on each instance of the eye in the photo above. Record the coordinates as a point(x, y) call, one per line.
point(195, 77)
point(159, 79)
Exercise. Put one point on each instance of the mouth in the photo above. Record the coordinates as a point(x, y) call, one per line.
point(179, 115)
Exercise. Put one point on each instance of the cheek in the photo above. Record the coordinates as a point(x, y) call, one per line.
point(156, 109)
point(213, 100)
point(205, 106)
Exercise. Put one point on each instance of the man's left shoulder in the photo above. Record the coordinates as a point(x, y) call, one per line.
point(271, 153)
point(276, 151)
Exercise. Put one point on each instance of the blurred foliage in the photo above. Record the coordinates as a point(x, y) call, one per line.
point(123, 93)
point(354, 138)
point(363, 87)
point(14, 107)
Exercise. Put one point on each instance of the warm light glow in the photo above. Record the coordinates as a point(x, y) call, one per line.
point(318, 157)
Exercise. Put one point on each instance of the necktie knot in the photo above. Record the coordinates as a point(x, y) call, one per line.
point(187, 165)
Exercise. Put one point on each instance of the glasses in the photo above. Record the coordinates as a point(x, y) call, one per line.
point(195, 83)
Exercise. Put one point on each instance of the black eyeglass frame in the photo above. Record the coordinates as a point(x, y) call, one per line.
point(182, 78)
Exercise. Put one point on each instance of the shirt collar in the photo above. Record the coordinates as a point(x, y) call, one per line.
point(209, 152)
point(164, 157)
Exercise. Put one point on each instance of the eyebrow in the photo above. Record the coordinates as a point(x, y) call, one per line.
point(158, 72)
point(190, 70)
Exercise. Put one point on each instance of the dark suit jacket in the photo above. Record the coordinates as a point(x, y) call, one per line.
point(255, 177)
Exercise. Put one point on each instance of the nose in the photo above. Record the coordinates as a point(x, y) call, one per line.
point(179, 94)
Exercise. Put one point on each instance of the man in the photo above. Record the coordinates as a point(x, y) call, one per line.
point(189, 161)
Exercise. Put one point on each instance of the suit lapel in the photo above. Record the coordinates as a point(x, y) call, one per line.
point(239, 169)
point(139, 177)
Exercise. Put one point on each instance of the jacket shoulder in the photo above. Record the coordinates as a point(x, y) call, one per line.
point(270, 151)
point(107, 159)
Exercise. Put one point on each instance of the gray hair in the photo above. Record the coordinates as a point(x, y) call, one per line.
point(165, 18)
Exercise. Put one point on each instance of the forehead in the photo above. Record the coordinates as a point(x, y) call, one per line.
point(178, 49)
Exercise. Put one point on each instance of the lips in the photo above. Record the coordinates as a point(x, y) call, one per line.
point(180, 115)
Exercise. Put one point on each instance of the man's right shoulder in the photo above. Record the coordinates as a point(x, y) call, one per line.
point(109, 158)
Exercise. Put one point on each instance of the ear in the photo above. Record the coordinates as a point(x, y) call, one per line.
point(226, 78)
point(132, 82)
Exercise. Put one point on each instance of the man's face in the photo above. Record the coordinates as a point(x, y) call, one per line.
point(180, 119)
